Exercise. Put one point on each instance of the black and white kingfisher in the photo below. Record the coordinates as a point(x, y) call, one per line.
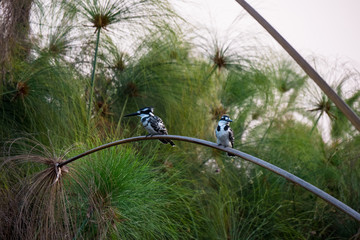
point(152, 123)
point(224, 133)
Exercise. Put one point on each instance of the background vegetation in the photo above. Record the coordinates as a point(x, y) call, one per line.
point(71, 70)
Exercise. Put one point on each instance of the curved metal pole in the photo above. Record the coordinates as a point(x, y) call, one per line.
point(310, 71)
point(318, 192)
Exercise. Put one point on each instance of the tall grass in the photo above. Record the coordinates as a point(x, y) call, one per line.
point(43, 96)
point(36, 204)
point(126, 198)
point(148, 190)
point(115, 193)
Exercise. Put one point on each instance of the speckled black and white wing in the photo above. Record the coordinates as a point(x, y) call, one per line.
point(231, 137)
point(158, 125)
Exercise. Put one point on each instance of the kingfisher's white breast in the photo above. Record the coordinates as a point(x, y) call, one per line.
point(147, 125)
point(223, 137)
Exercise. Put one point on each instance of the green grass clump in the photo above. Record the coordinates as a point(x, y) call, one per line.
point(58, 95)
point(111, 194)
point(122, 196)
point(41, 97)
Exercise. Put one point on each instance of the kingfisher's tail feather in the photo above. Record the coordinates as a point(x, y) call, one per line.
point(171, 143)
point(166, 141)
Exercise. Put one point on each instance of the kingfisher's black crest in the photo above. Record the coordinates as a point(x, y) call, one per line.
point(146, 110)
point(153, 124)
point(226, 118)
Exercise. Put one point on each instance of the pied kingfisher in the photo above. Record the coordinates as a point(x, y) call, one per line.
point(224, 133)
point(153, 124)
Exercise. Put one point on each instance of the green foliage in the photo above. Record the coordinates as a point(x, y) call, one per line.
point(150, 190)
point(122, 196)
point(340, 127)
point(42, 96)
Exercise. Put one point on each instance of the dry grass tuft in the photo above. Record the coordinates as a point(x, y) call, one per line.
point(217, 112)
point(33, 186)
point(101, 21)
point(324, 105)
point(132, 90)
point(22, 90)
point(219, 59)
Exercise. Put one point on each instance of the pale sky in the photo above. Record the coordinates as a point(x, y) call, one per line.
point(325, 28)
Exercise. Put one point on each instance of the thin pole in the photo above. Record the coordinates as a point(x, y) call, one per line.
point(93, 74)
point(311, 188)
point(310, 71)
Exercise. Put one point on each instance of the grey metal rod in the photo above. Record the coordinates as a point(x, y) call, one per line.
point(291, 177)
point(310, 71)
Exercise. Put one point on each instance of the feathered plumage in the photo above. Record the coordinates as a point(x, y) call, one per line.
point(152, 123)
point(224, 134)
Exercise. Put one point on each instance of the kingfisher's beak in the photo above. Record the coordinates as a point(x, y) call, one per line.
point(229, 120)
point(132, 114)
